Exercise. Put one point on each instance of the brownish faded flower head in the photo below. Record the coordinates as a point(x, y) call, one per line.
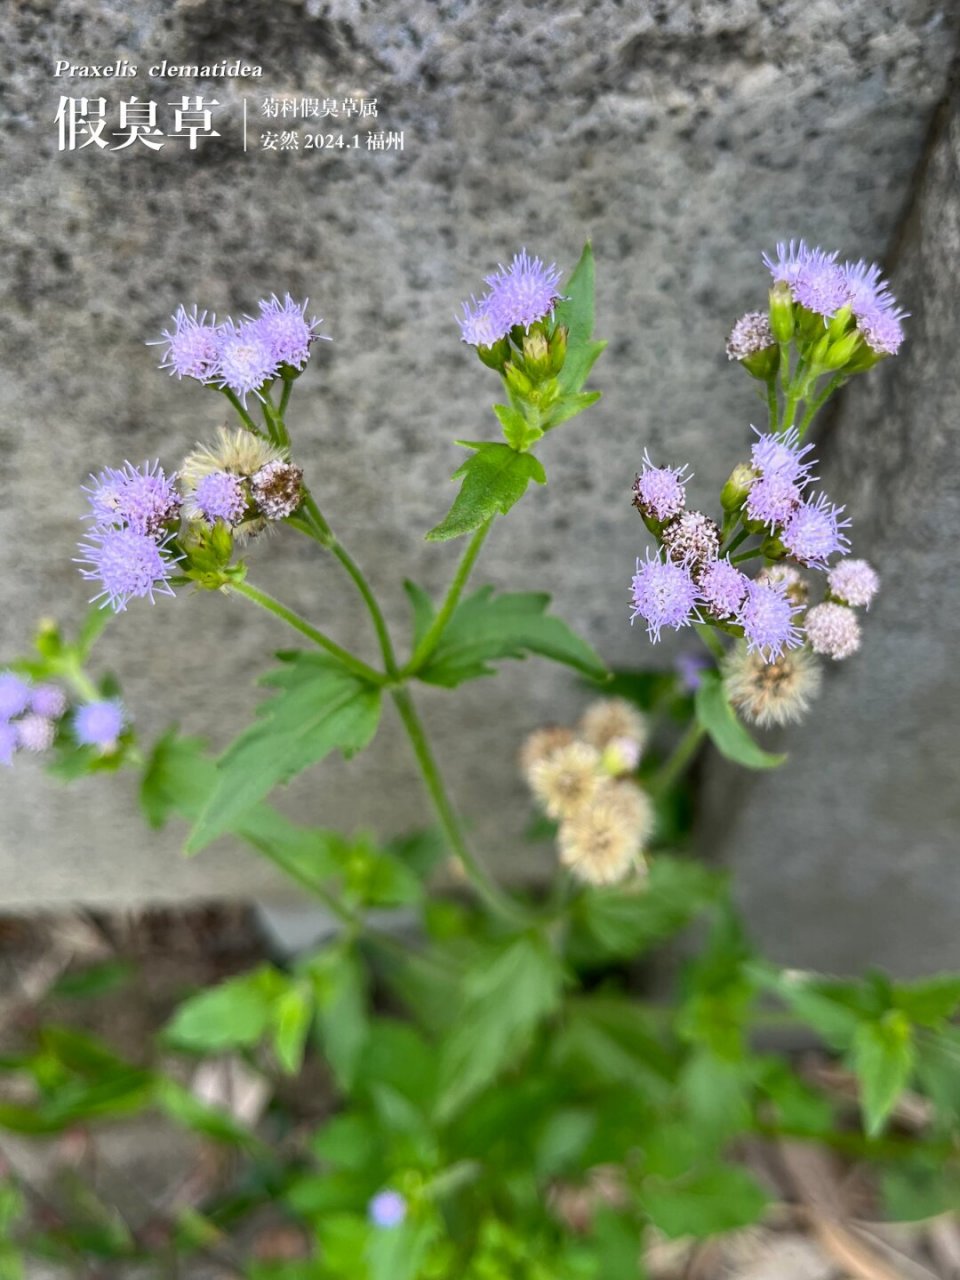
point(567, 779)
point(541, 744)
point(602, 842)
point(611, 720)
point(277, 489)
point(769, 693)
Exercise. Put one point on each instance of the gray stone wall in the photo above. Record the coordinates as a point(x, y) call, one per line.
point(683, 138)
point(850, 855)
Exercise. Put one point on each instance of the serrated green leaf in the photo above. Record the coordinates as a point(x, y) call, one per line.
point(570, 405)
point(728, 735)
point(494, 478)
point(486, 627)
point(320, 707)
point(177, 778)
point(518, 432)
point(707, 1202)
point(929, 1002)
point(883, 1057)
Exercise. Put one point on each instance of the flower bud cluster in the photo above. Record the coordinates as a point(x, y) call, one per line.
point(33, 717)
point(582, 779)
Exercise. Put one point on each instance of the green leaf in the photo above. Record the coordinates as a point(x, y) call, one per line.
point(519, 433)
point(717, 1095)
point(576, 309)
point(341, 997)
point(563, 1140)
point(485, 628)
point(568, 407)
point(919, 1189)
point(233, 1015)
point(291, 1015)
point(95, 980)
point(720, 1198)
point(199, 1117)
point(929, 1002)
point(320, 706)
point(504, 999)
point(727, 733)
point(395, 1253)
point(309, 855)
point(177, 779)
point(494, 478)
point(882, 1057)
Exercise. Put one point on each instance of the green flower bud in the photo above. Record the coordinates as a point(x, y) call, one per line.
point(495, 356)
point(764, 364)
point(818, 352)
point(840, 323)
point(517, 380)
point(840, 352)
point(734, 493)
point(536, 354)
point(781, 312)
point(865, 358)
point(558, 348)
point(773, 548)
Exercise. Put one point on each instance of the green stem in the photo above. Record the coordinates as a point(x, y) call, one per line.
point(794, 394)
point(741, 537)
point(81, 682)
point(747, 555)
point(710, 639)
point(816, 405)
point(432, 637)
point(356, 665)
point(373, 608)
point(683, 754)
point(487, 889)
point(773, 406)
point(278, 428)
point(245, 418)
point(285, 396)
point(855, 1144)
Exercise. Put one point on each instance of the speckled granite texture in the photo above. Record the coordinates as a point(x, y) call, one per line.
point(681, 137)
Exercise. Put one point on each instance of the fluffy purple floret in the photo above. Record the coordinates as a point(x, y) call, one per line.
point(820, 285)
point(35, 733)
point(478, 327)
point(664, 594)
point(14, 694)
point(193, 348)
point(387, 1209)
point(882, 330)
point(874, 306)
point(790, 258)
point(126, 564)
point(658, 491)
point(772, 499)
point(814, 532)
point(247, 360)
point(48, 700)
point(99, 724)
point(286, 330)
point(142, 498)
point(522, 293)
point(722, 588)
point(782, 453)
point(854, 582)
point(8, 743)
point(766, 616)
point(220, 496)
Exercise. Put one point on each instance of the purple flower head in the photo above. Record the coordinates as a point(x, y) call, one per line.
point(285, 329)
point(782, 453)
point(820, 285)
point(193, 349)
point(766, 616)
point(477, 325)
point(142, 498)
point(387, 1209)
point(9, 742)
point(35, 733)
point(772, 499)
point(220, 496)
point(722, 588)
point(48, 700)
point(99, 724)
point(126, 564)
point(690, 668)
point(854, 582)
point(813, 532)
point(883, 331)
point(874, 306)
point(247, 360)
point(750, 335)
point(658, 491)
point(791, 258)
point(522, 293)
point(664, 594)
point(14, 694)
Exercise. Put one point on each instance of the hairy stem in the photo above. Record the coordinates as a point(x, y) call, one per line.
point(431, 639)
point(710, 639)
point(245, 417)
point(817, 404)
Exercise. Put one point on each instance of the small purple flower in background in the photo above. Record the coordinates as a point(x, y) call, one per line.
point(246, 359)
point(853, 582)
point(772, 500)
point(48, 700)
point(820, 285)
point(127, 564)
point(99, 724)
point(520, 294)
point(193, 348)
point(387, 1209)
point(658, 492)
point(722, 588)
point(286, 330)
point(766, 616)
point(813, 532)
point(220, 496)
point(832, 630)
point(690, 668)
point(142, 498)
point(14, 694)
point(664, 594)
point(782, 454)
point(35, 733)
point(8, 743)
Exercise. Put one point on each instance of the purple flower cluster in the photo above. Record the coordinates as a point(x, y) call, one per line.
point(518, 295)
point(243, 357)
point(28, 715)
point(99, 724)
point(220, 496)
point(810, 528)
point(126, 550)
point(658, 492)
point(822, 284)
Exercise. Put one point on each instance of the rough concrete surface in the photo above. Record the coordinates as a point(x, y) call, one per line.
point(849, 855)
point(683, 138)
